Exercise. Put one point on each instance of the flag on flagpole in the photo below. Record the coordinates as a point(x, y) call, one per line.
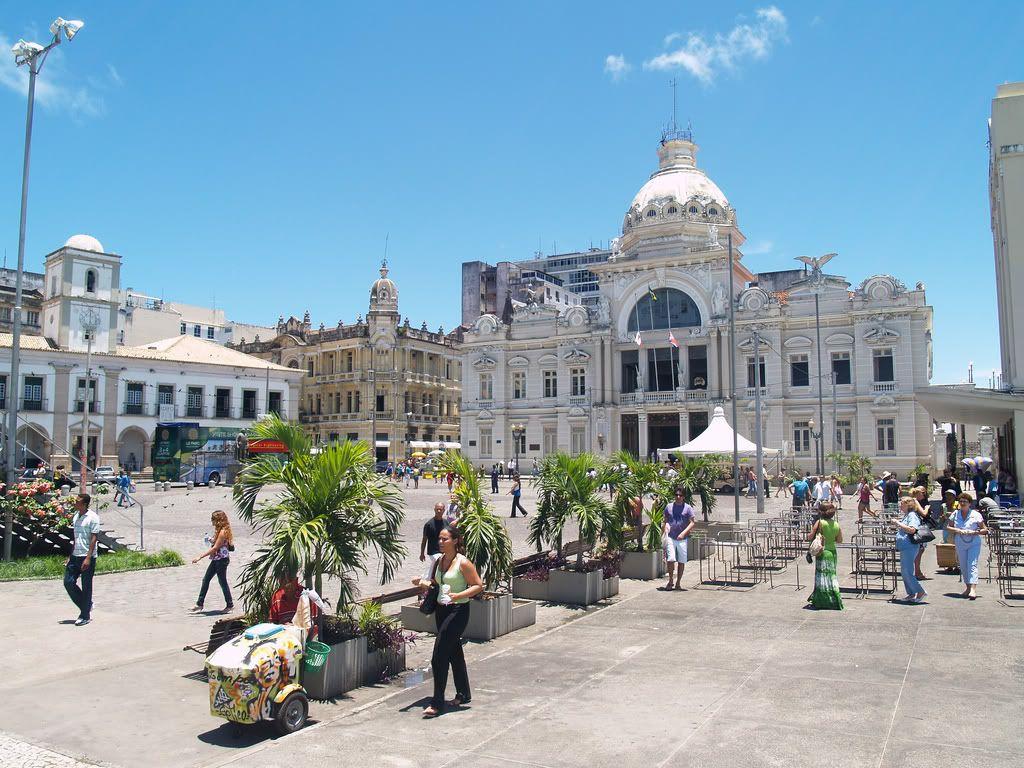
point(637, 340)
point(672, 340)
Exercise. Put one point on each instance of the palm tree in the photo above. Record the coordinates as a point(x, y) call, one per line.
point(570, 489)
point(633, 478)
point(487, 543)
point(696, 476)
point(332, 509)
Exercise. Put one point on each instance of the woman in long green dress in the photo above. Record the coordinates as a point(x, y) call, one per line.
point(826, 583)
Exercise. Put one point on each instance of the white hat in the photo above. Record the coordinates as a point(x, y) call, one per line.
point(886, 475)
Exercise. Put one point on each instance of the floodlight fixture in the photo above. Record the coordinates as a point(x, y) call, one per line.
point(71, 27)
point(25, 51)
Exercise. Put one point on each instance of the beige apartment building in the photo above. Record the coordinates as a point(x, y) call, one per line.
point(377, 379)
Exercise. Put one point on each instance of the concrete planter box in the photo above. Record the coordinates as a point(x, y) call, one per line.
point(642, 565)
point(488, 619)
point(345, 669)
point(609, 587)
point(529, 589)
point(384, 663)
point(575, 588)
point(524, 614)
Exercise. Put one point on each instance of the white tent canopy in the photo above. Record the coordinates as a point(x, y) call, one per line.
point(442, 445)
point(717, 438)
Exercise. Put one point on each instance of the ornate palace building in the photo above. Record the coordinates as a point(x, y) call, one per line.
point(642, 365)
point(377, 378)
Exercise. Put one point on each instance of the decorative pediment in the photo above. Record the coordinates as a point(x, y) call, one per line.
point(486, 325)
point(484, 364)
point(879, 335)
point(576, 356)
point(576, 412)
point(884, 401)
point(518, 362)
point(754, 300)
point(485, 415)
point(881, 287)
point(575, 316)
point(797, 342)
point(839, 340)
point(548, 360)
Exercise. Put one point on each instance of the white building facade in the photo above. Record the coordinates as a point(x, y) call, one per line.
point(131, 388)
point(576, 379)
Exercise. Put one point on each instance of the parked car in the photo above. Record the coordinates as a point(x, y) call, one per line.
point(104, 474)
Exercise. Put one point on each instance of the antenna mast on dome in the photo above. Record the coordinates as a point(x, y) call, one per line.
point(673, 132)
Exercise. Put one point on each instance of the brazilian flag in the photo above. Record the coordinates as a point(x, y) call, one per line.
point(652, 294)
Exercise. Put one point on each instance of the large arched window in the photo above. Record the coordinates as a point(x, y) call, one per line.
point(90, 281)
point(668, 308)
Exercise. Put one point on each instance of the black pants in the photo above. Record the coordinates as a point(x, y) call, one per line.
point(517, 504)
point(81, 596)
point(494, 484)
point(220, 568)
point(451, 623)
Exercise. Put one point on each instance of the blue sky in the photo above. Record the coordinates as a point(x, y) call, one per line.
point(250, 155)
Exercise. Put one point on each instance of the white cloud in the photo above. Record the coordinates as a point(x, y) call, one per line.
point(759, 248)
point(704, 58)
point(52, 89)
point(115, 76)
point(616, 66)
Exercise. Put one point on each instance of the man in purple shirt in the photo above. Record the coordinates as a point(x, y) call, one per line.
point(679, 521)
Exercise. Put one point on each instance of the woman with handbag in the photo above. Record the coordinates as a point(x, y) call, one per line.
point(920, 493)
point(453, 584)
point(826, 584)
point(908, 546)
point(968, 526)
point(221, 546)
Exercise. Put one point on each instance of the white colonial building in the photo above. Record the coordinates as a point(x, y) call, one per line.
point(181, 378)
point(577, 380)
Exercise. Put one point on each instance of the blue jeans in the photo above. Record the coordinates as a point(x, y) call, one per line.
point(908, 553)
point(81, 596)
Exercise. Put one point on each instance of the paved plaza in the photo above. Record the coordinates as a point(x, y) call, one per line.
point(700, 677)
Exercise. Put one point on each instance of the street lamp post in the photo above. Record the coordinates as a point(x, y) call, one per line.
point(90, 320)
point(32, 55)
point(518, 430)
point(816, 437)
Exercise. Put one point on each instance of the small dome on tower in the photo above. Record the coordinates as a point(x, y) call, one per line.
point(384, 292)
point(84, 243)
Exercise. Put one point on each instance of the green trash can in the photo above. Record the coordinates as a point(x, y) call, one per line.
point(316, 655)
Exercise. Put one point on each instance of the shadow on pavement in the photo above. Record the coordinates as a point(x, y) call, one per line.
point(235, 736)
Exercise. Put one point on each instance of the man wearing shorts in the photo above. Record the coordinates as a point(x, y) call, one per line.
point(679, 521)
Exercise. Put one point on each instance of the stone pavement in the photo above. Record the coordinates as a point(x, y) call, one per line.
point(701, 677)
point(20, 754)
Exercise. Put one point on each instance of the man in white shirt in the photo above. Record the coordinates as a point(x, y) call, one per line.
point(82, 562)
point(823, 492)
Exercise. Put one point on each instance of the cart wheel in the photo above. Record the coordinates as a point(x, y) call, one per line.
point(291, 714)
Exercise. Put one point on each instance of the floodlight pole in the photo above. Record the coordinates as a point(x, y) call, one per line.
point(732, 385)
point(758, 437)
point(35, 62)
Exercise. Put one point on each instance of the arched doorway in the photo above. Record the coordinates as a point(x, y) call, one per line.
point(131, 449)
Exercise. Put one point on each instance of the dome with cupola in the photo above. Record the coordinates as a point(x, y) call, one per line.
point(84, 243)
point(384, 292)
point(678, 190)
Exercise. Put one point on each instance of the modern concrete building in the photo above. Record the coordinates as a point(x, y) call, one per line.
point(131, 387)
point(31, 301)
point(642, 365)
point(377, 379)
point(1001, 407)
point(145, 318)
point(497, 289)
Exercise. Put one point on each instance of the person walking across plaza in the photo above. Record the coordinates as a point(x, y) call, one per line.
point(494, 478)
point(222, 543)
point(122, 483)
point(890, 491)
point(516, 492)
point(907, 547)
point(968, 526)
point(837, 492)
point(679, 521)
point(826, 583)
point(459, 582)
point(865, 495)
point(81, 564)
point(801, 490)
point(431, 532)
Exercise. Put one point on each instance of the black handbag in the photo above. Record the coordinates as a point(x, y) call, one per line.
point(429, 604)
point(923, 536)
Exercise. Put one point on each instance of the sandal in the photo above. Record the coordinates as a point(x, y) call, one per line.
point(458, 701)
point(431, 712)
